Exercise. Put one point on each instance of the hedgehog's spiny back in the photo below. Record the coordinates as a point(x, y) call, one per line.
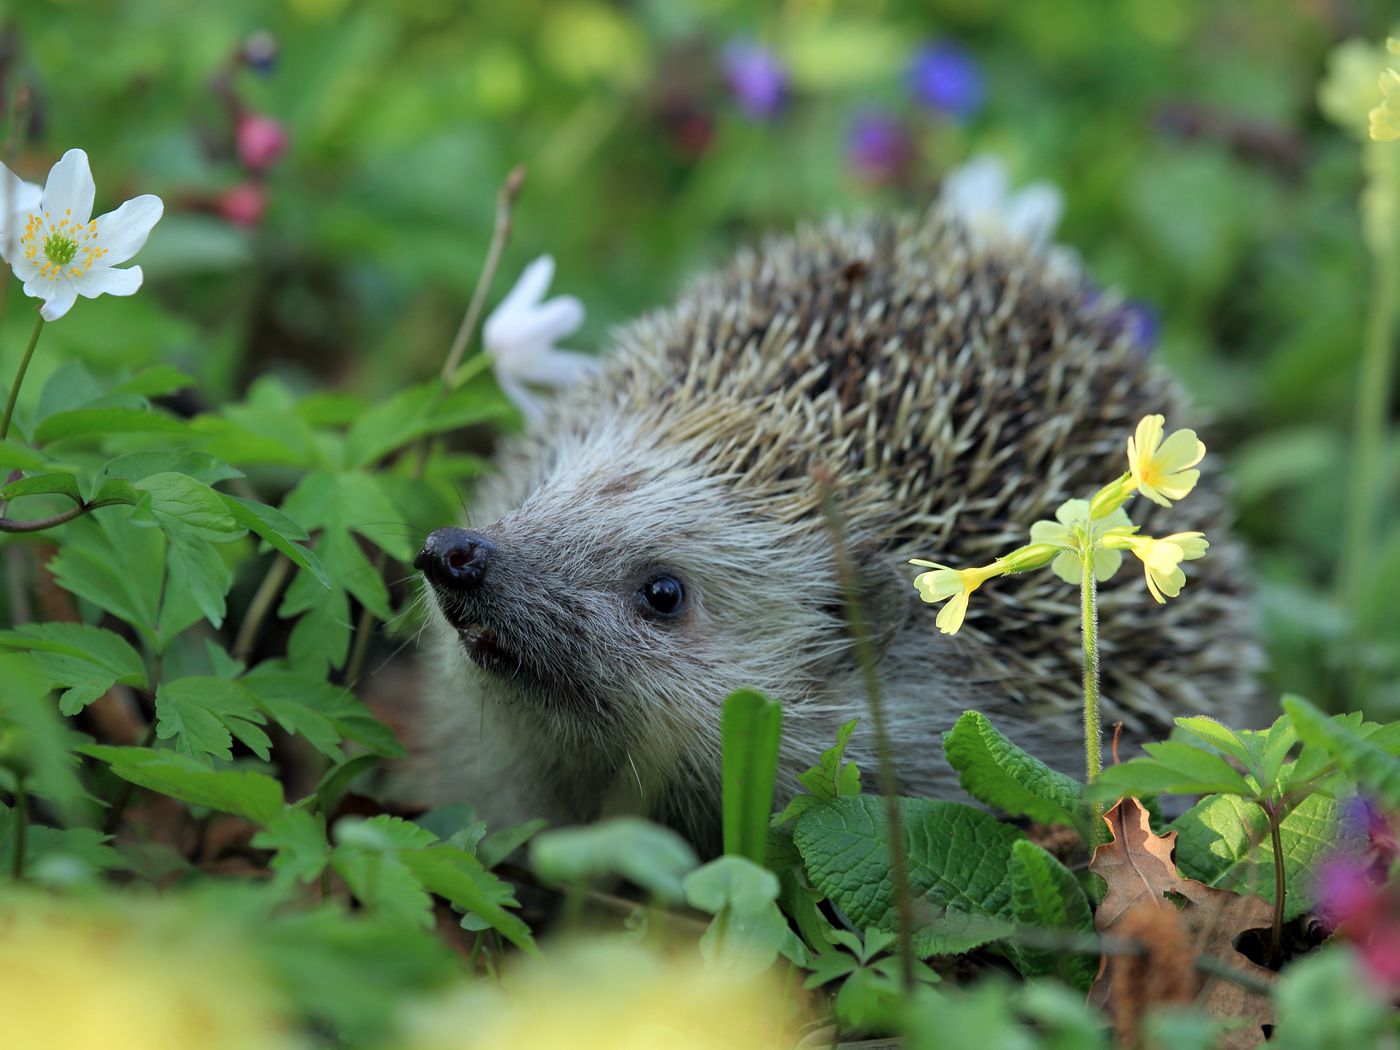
point(960, 393)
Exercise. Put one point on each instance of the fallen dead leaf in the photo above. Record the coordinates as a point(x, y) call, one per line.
point(1139, 872)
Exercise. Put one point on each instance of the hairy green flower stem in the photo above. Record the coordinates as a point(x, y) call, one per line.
point(1368, 485)
point(19, 377)
point(1088, 607)
point(453, 375)
point(889, 787)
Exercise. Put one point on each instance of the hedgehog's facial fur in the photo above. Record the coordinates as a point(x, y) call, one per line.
point(558, 631)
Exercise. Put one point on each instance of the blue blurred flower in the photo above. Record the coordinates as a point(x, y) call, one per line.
point(878, 145)
point(756, 77)
point(1138, 319)
point(946, 77)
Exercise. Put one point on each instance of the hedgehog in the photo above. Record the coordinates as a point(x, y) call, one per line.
point(658, 540)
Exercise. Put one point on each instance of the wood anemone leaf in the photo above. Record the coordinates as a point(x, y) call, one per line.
point(1138, 870)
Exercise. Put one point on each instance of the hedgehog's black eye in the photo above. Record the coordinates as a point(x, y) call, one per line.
point(662, 595)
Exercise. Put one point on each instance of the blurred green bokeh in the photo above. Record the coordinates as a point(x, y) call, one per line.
point(1198, 175)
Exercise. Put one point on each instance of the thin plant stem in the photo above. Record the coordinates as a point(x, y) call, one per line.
point(21, 828)
point(263, 599)
point(1089, 613)
point(1368, 486)
point(1280, 881)
point(504, 199)
point(364, 630)
point(889, 785)
point(19, 377)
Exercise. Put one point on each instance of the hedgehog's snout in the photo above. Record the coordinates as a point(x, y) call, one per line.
point(456, 559)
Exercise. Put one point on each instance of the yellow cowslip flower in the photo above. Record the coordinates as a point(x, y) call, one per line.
point(1074, 524)
point(139, 975)
point(1161, 469)
point(1161, 558)
point(607, 992)
point(956, 584)
point(1385, 118)
point(1348, 93)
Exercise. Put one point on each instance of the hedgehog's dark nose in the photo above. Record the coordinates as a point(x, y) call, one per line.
point(457, 558)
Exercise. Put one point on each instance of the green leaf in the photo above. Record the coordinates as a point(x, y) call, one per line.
point(135, 466)
point(1174, 767)
point(84, 660)
point(299, 837)
point(36, 743)
point(203, 715)
point(390, 424)
point(179, 503)
point(52, 852)
point(832, 776)
point(384, 884)
point(117, 566)
point(1224, 841)
point(154, 381)
point(653, 857)
point(56, 484)
point(15, 455)
point(748, 931)
point(994, 770)
point(752, 728)
point(322, 712)
point(1046, 895)
point(87, 422)
point(1218, 735)
point(384, 833)
point(1373, 767)
point(337, 781)
point(280, 532)
point(461, 879)
point(958, 863)
point(254, 796)
point(501, 843)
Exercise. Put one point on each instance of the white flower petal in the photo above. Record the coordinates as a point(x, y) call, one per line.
point(1032, 214)
point(25, 267)
point(123, 232)
point(58, 296)
point(552, 367)
point(541, 326)
point(70, 189)
point(17, 200)
point(104, 280)
point(528, 291)
point(530, 406)
point(975, 188)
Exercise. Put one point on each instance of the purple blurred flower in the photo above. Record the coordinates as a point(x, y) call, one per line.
point(1140, 321)
point(1346, 892)
point(756, 78)
point(260, 51)
point(878, 146)
point(946, 77)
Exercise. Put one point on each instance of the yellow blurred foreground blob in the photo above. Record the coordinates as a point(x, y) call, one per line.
point(608, 993)
point(77, 976)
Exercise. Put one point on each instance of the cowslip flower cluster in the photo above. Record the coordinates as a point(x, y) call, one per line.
point(1384, 118)
point(53, 244)
point(1161, 467)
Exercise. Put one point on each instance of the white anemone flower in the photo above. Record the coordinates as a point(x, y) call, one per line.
point(520, 335)
point(62, 252)
point(979, 194)
point(17, 199)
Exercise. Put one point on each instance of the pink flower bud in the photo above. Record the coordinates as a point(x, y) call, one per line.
point(244, 204)
point(261, 140)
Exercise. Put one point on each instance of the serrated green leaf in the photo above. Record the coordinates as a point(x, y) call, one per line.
point(203, 715)
point(305, 704)
point(280, 532)
point(1173, 767)
point(61, 483)
point(751, 726)
point(1224, 841)
point(117, 566)
point(994, 770)
point(832, 776)
point(958, 861)
point(36, 743)
point(391, 424)
point(460, 878)
point(84, 660)
point(653, 857)
point(384, 832)
point(88, 422)
point(299, 837)
point(1216, 734)
point(180, 503)
point(501, 843)
point(244, 794)
point(1046, 895)
point(136, 466)
point(384, 884)
point(1374, 767)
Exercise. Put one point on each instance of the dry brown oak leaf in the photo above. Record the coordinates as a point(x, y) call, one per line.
point(1138, 870)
